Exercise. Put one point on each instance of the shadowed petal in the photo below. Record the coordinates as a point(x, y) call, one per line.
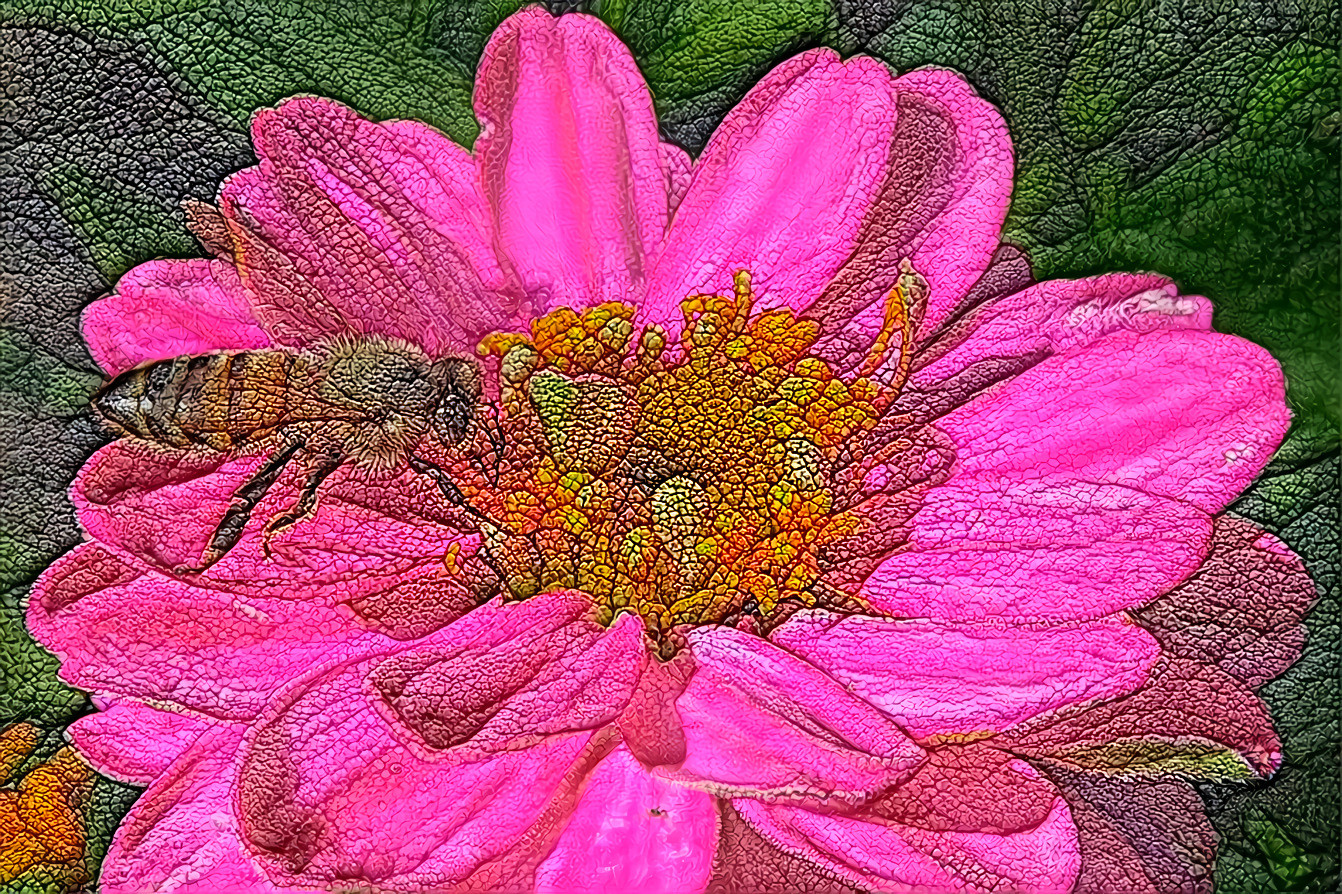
point(165, 309)
point(759, 721)
point(569, 159)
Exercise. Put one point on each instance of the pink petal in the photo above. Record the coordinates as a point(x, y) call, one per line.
point(132, 741)
point(1038, 550)
point(758, 721)
point(782, 187)
point(182, 834)
point(1193, 416)
point(163, 506)
point(165, 309)
point(936, 678)
point(679, 168)
point(633, 832)
point(124, 630)
point(396, 772)
point(889, 857)
point(1063, 314)
point(569, 159)
point(941, 205)
point(353, 227)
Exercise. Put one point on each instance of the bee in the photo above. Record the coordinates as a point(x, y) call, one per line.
point(360, 400)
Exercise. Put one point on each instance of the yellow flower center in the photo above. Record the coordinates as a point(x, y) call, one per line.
point(691, 484)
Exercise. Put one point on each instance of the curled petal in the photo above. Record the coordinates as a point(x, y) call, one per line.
point(782, 186)
point(883, 855)
point(759, 721)
point(164, 309)
point(569, 159)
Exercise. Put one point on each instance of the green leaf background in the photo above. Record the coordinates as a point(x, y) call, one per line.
point(1199, 140)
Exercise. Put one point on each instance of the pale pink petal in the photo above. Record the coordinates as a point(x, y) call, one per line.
point(782, 187)
point(889, 857)
point(132, 741)
point(348, 226)
point(1063, 314)
point(123, 630)
point(1189, 415)
point(944, 197)
point(633, 832)
point(162, 507)
point(758, 721)
point(937, 678)
point(182, 836)
point(164, 309)
point(569, 159)
point(415, 769)
point(1044, 549)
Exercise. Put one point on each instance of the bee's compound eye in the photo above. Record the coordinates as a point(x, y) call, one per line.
point(453, 417)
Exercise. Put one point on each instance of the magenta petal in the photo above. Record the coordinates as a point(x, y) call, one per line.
point(1190, 415)
point(633, 832)
point(679, 169)
point(132, 741)
point(941, 205)
point(936, 678)
point(759, 721)
point(394, 770)
point(182, 834)
point(1063, 314)
point(569, 159)
point(164, 309)
point(353, 227)
point(162, 507)
point(889, 857)
point(782, 187)
point(1038, 550)
point(123, 630)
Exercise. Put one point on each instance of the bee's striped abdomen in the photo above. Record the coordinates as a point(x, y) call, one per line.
point(215, 400)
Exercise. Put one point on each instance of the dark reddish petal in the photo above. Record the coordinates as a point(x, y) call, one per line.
point(633, 832)
point(881, 855)
point(936, 678)
point(759, 721)
point(748, 863)
point(162, 507)
point(969, 788)
point(569, 159)
point(782, 187)
point(1064, 314)
point(182, 834)
point(132, 741)
point(1241, 610)
point(416, 769)
point(164, 309)
point(1189, 415)
point(1189, 719)
point(945, 194)
point(1138, 836)
point(353, 227)
point(986, 547)
point(121, 629)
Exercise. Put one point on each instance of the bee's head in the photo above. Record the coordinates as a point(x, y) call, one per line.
point(461, 389)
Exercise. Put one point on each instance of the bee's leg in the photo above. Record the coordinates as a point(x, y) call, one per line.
point(447, 487)
point(229, 530)
point(307, 498)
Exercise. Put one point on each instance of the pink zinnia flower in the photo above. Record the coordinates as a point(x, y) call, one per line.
point(873, 567)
